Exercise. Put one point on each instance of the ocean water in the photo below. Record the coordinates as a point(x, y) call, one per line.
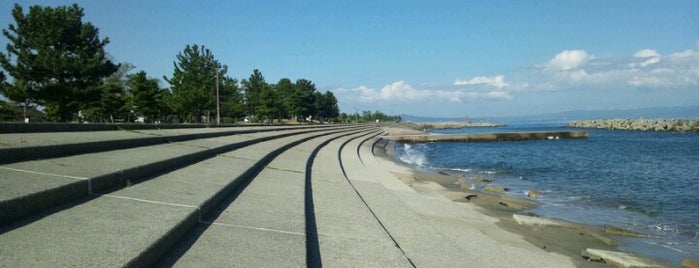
point(643, 181)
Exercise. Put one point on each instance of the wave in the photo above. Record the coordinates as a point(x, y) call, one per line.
point(412, 156)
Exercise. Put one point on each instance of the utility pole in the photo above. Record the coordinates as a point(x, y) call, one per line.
point(356, 116)
point(218, 105)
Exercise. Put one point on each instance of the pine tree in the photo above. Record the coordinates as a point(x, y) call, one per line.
point(145, 96)
point(55, 59)
point(193, 90)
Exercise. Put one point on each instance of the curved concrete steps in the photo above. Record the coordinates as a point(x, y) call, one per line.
point(271, 222)
point(18, 147)
point(32, 186)
point(136, 225)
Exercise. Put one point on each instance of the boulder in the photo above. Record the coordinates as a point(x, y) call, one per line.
point(533, 193)
point(622, 259)
point(588, 257)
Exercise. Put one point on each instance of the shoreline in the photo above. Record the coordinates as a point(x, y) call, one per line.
point(570, 239)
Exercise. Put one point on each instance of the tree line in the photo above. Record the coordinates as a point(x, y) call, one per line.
point(55, 68)
point(368, 116)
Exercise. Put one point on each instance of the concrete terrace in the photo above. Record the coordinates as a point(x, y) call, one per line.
point(234, 197)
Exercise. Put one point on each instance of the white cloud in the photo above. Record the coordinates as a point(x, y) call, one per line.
point(453, 96)
point(687, 55)
point(677, 70)
point(645, 69)
point(400, 91)
point(497, 81)
point(567, 60)
point(365, 93)
point(646, 53)
point(650, 57)
point(499, 95)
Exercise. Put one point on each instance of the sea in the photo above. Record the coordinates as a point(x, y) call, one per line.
point(643, 181)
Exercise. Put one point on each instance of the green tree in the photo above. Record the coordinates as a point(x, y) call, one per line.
point(232, 105)
point(344, 118)
point(145, 96)
point(193, 82)
point(285, 91)
point(304, 99)
point(6, 113)
point(115, 98)
point(18, 93)
point(58, 59)
point(112, 104)
point(268, 104)
point(253, 88)
point(326, 104)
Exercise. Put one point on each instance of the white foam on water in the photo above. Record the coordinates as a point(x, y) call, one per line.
point(465, 170)
point(413, 156)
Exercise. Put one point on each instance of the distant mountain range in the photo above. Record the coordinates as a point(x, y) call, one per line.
point(686, 112)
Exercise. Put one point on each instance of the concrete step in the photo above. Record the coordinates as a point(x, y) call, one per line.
point(135, 225)
point(18, 147)
point(348, 231)
point(269, 223)
point(32, 186)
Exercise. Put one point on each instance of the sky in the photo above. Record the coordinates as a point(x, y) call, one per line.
point(425, 58)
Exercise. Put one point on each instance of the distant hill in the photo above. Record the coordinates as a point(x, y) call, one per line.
point(423, 119)
point(686, 112)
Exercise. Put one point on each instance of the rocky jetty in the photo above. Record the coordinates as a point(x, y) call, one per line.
point(642, 124)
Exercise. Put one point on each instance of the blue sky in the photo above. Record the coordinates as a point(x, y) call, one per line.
point(428, 58)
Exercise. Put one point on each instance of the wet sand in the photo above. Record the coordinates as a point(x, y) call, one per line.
point(566, 241)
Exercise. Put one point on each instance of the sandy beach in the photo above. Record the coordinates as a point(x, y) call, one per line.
point(565, 238)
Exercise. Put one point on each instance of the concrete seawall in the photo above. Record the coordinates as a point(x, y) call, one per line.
point(488, 137)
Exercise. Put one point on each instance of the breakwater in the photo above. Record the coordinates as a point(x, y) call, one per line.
point(488, 137)
point(454, 125)
point(641, 124)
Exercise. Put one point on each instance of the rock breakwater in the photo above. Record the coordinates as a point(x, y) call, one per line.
point(641, 124)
